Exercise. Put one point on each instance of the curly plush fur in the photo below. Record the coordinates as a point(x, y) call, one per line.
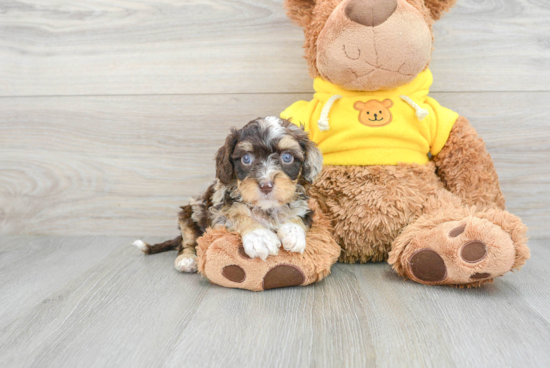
point(378, 211)
point(467, 169)
point(370, 205)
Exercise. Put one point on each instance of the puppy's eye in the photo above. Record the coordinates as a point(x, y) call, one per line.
point(246, 159)
point(287, 158)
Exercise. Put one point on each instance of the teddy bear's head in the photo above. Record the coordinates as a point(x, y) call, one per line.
point(367, 45)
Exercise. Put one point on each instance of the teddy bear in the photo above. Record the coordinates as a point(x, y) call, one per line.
point(405, 180)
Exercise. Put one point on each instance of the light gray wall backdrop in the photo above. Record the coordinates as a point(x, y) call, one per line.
point(111, 111)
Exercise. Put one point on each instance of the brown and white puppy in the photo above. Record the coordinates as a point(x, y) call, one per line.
point(262, 175)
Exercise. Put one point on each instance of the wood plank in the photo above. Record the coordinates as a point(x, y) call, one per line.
point(124, 311)
point(122, 165)
point(498, 45)
point(134, 47)
point(48, 264)
point(132, 310)
point(323, 326)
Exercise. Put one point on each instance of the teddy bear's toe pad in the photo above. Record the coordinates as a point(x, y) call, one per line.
point(283, 276)
point(473, 252)
point(234, 273)
point(480, 275)
point(459, 252)
point(457, 231)
point(243, 254)
point(427, 265)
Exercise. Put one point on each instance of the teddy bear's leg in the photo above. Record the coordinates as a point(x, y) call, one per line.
point(452, 244)
point(222, 259)
point(370, 205)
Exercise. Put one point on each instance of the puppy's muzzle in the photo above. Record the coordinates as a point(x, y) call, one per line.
point(266, 186)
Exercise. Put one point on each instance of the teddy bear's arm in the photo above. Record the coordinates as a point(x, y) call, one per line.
point(466, 168)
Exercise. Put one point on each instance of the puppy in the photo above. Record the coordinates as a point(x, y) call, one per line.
point(262, 175)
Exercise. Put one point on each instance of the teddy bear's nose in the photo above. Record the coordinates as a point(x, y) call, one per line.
point(370, 13)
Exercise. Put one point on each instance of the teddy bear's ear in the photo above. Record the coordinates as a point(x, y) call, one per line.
point(359, 105)
point(300, 11)
point(387, 103)
point(438, 7)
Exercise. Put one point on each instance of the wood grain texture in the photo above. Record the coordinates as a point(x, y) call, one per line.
point(134, 47)
point(122, 165)
point(121, 308)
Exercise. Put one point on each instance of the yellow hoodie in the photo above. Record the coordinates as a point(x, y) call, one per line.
point(374, 128)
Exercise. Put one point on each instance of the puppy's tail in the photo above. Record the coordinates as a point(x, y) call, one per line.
point(160, 247)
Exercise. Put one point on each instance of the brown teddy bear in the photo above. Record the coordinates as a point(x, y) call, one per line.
point(405, 179)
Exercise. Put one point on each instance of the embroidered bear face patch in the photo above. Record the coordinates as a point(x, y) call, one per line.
point(374, 113)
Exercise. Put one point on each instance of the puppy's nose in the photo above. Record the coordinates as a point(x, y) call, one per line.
point(266, 186)
point(370, 13)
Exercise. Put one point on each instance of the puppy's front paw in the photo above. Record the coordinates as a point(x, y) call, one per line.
point(293, 237)
point(261, 243)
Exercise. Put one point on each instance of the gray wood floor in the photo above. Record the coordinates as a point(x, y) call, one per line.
point(86, 301)
point(110, 114)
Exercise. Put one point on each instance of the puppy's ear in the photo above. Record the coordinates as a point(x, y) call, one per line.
point(224, 165)
point(300, 11)
point(438, 7)
point(313, 161)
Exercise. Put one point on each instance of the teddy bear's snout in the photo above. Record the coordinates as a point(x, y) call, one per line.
point(370, 13)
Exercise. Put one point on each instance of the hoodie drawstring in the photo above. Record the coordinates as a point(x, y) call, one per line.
point(323, 122)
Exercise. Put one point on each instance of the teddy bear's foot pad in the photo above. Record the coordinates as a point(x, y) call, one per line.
point(277, 277)
point(228, 265)
point(427, 265)
point(234, 273)
point(283, 275)
point(469, 251)
point(222, 259)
